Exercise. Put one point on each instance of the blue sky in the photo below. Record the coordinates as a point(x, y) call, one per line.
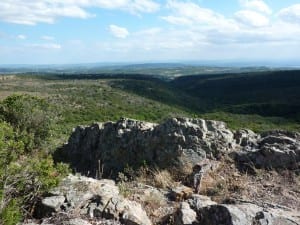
point(86, 31)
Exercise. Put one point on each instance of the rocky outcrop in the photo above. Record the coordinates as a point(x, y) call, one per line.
point(210, 213)
point(83, 200)
point(106, 148)
point(86, 197)
point(274, 149)
point(171, 144)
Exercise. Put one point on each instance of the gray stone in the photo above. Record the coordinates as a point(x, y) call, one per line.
point(96, 198)
point(53, 203)
point(198, 202)
point(175, 143)
point(76, 221)
point(244, 214)
point(185, 215)
point(246, 138)
point(132, 213)
point(275, 149)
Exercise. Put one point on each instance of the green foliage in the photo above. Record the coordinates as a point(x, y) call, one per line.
point(31, 116)
point(23, 177)
point(10, 147)
point(254, 122)
point(11, 215)
point(47, 174)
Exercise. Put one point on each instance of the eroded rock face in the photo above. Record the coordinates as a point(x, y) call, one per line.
point(174, 143)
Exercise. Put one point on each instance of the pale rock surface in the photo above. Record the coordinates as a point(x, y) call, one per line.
point(96, 199)
point(185, 215)
point(211, 213)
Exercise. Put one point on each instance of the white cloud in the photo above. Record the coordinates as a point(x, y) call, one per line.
point(142, 6)
point(177, 20)
point(205, 26)
point(119, 32)
point(21, 37)
point(45, 46)
point(150, 31)
point(251, 18)
point(188, 12)
point(256, 5)
point(47, 38)
point(32, 12)
point(290, 14)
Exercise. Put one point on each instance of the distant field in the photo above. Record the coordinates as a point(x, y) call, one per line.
point(259, 101)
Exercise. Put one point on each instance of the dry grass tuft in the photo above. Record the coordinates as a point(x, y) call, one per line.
point(162, 179)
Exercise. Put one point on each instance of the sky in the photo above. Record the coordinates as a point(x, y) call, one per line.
point(95, 31)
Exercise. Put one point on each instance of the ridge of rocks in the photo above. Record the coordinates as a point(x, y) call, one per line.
point(175, 143)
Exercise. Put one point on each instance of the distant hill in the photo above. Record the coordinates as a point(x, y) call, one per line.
point(165, 70)
point(272, 93)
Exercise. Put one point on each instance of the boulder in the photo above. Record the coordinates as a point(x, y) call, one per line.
point(52, 204)
point(175, 143)
point(228, 214)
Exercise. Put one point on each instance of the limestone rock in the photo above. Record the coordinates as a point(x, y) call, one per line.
point(173, 143)
point(52, 204)
point(83, 196)
point(246, 138)
point(243, 214)
point(76, 221)
point(185, 215)
point(228, 214)
point(198, 202)
point(134, 214)
point(209, 212)
point(275, 149)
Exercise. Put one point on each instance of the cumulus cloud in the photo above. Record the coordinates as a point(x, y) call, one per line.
point(119, 32)
point(189, 13)
point(32, 12)
point(256, 5)
point(251, 18)
point(290, 14)
point(205, 26)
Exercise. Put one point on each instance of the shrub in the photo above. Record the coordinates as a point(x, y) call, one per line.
point(25, 175)
point(30, 115)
